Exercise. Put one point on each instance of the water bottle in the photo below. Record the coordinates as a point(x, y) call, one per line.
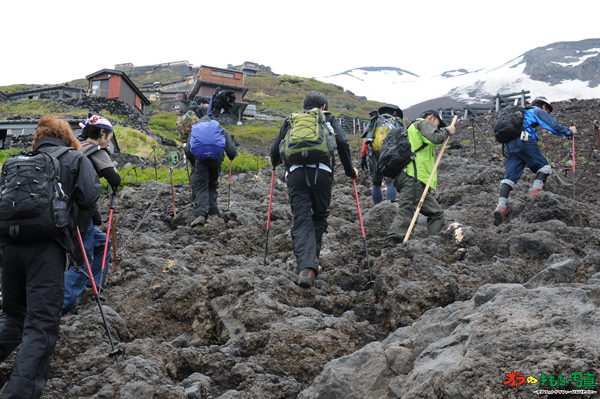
point(60, 207)
point(329, 127)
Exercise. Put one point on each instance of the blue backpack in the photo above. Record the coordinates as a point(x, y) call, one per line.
point(208, 140)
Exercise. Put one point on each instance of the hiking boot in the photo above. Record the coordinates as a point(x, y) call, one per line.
point(199, 221)
point(307, 278)
point(499, 215)
point(533, 192)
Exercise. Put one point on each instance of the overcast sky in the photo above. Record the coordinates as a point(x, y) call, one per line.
point(54, 42)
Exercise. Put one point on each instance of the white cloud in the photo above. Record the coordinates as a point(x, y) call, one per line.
point(53, 42)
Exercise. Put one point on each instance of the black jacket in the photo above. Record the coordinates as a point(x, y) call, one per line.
point(80, 182)
point(343, 148)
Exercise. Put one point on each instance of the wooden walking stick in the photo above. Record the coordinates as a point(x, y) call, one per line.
point(416, 215)
point(173, 193)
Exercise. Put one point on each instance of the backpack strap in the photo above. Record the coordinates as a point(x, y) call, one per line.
point(57, 153)
point(89, 150)
point(60, 151)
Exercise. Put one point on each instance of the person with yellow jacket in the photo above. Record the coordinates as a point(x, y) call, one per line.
point(429, 128)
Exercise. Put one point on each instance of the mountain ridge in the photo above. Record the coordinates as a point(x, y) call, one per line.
point(560, 71)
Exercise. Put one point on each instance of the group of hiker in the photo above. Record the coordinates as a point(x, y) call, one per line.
point(51, 248)
point(309, 168)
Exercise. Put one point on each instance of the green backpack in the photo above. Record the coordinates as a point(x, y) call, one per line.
point(310, 139)
point(379, 127)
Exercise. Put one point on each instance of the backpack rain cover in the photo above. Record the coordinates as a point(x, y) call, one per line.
point(208, 140)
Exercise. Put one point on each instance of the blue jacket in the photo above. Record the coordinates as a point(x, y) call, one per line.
point(537, 115)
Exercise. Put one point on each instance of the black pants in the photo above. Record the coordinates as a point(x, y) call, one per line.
point(32, 297)
point(205, 182)
point(310, 201)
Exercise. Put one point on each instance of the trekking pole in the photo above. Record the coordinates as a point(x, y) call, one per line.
point(229, 188)
point(172, 192)
point(597, 129)
point(114, 244)
point(103, 271)
point(362, 229)
point(187, 170)
point(474, 143)
point(114, 352)
point(155, 162)
point(437, 161)
point(573, 138)
point(269, 215)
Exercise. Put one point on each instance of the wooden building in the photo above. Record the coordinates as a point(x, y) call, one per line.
point(209, 78)
point(112, 83)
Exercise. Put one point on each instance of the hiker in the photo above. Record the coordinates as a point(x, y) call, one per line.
point(309, 188)
point(96, 136)
point(33, 273)
point(524, 151)
point(195, 111)
point(429, 129)
point(381, 122)
point(185, 121)
point(208, 144)
point(369, 160)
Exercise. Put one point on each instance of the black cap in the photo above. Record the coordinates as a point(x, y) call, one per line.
point(435, 113)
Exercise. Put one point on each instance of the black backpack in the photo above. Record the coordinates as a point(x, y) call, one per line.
point(395, 152)
point(33, 206)
point(509, 123)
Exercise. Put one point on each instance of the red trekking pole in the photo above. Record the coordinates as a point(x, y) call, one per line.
point(362, 229)
point(114, 352)
point(269, 217)
point(229, 188)
point(110, 218)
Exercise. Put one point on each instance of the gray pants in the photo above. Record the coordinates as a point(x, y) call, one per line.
point(205, 182)
point(407, 207)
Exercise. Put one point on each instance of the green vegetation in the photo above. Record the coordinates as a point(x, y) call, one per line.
point(19, 87)
point(285, 93)
point(7, 153)
point(134, 142)
point(255, 133)
point(165, 125)
point(40, 107)
point(245, 161)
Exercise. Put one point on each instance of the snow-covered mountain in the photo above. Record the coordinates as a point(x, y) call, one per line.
point(559, 71)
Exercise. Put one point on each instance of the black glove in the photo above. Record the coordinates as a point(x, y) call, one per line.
point(363, 163)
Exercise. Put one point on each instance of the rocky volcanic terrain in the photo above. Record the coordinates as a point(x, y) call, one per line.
point(197, 313)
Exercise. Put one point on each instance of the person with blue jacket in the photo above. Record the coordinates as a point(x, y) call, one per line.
point(524, 151)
